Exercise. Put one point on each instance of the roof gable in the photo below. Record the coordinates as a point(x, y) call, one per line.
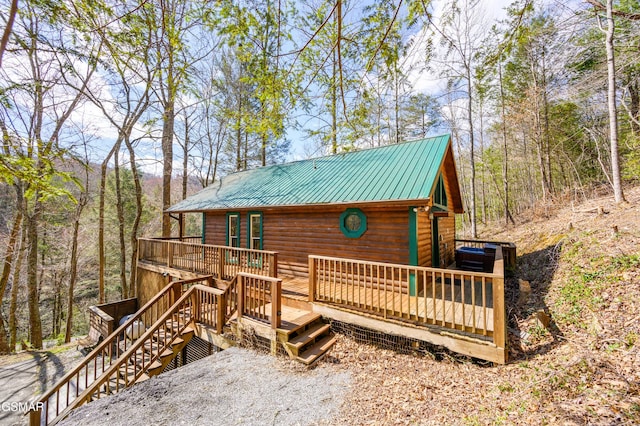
point(405, 171)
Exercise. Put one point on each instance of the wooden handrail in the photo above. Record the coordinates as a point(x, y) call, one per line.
point(112, 343)
point(254, 293)
point(93, 389)
point(477, 242)
point(221, 261)
point(372, 263)
point(472, 302)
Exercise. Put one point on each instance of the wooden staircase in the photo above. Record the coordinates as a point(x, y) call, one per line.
point(126, 373)
point(306, 339)
point(169, 354)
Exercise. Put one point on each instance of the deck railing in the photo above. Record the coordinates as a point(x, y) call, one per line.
point(260, 297)
point(220, 261)
point(142, 354)
point(508, 249)
point(470, 302)
point(62, 395)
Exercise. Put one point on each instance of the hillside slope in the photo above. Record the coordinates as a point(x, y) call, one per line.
point(577, 268)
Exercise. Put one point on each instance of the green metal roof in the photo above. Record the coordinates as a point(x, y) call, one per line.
point(406, 171)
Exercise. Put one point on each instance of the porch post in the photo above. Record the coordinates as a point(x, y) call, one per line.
point(220, 263)
point(240, 301)
point(222, 310)
point(312, 279)
point(276, 301)
point(499, 312)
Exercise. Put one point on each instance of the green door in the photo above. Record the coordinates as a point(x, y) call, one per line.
point(435, 244)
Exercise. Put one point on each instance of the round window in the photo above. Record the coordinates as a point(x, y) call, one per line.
point(353, 223)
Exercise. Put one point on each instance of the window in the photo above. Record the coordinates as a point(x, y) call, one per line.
point(233, 229)
point(254, 236)
point(353, 223)
point(440, 193)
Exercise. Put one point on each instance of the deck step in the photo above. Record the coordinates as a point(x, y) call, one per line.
point(310, 335)
point(289, 328)
point(317, 351)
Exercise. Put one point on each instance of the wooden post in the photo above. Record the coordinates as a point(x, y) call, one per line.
point(220, 262)
point(276, 303)
point(35, 417)
point(273, 265)
point(499, 309)
point(222, 309)
point(195, 303)
point(176, 289)
point(312, 279)
point(240, 302)
point(169, 253)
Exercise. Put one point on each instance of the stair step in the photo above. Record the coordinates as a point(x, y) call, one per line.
point(172, 324)
point(317, 351)
point(138, 362)
point(129, 373)
point(291, 327)
point(309, 335)
point(162, 335)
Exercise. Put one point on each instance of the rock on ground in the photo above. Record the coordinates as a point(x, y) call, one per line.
point(233, 387)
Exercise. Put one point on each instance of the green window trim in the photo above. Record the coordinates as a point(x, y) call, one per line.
point(204, 227)
point(250, 230)
point(353, 223)
point(440, 194)
point(233, 240)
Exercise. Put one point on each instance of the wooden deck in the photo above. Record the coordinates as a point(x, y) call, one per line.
point(464, 305)
point(422, 306)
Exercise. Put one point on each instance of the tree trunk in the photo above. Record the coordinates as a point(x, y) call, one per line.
point(505, 152)
point(136, 222)
point(613, 113)
point(634, 107)
point(13, 304)
point(101, 255)
point(547, 136)
point(334, 104)
point(167, 158)
point(239, 135)
point(474, 229)
point(33, 298)
point(185, 157)
point(73, 270)
point(6, 271)
point(124, 291)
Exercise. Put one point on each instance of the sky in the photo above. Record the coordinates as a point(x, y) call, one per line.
point(422, 80)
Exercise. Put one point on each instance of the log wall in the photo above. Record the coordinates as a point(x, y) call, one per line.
point(296, 233)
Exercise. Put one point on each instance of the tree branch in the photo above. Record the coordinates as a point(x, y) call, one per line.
point(601, 7)
point(13, 10)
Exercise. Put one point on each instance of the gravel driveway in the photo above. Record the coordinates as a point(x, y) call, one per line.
point(233, 387)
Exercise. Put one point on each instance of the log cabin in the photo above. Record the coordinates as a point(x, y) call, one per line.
point(291, 252)
point(393, 204)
